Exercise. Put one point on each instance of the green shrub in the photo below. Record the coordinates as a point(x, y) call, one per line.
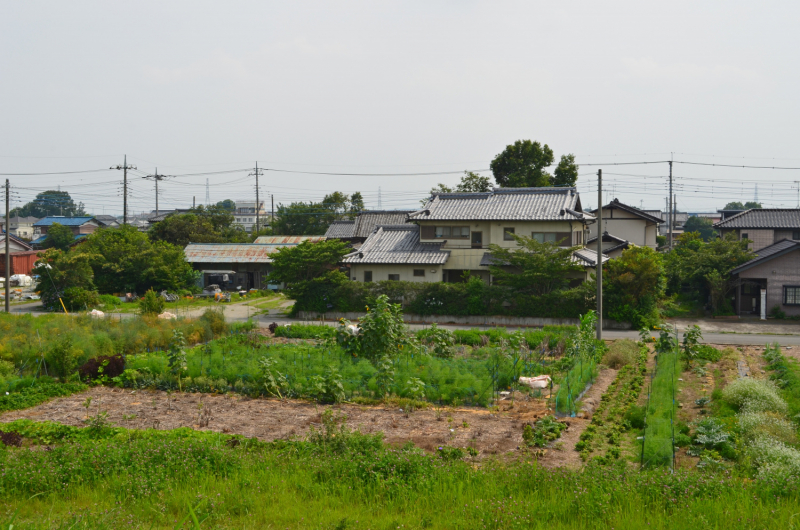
point(215, 321)
point(439, 340)
point(109, 301)
point(151, 304)
point(754, 395)
point(28, 395)
point(381, 331)
point(544, 431)
point(63, 357)
point(754, 425)
point(305, 331)
point(635, 416)
point(621, 353)
point(77, 298)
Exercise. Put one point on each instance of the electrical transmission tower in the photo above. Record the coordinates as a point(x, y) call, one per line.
point(156, 177)
point(124, 167)
point(208, 195)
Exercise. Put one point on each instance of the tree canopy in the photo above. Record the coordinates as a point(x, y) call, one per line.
point(700, 225)
point(59, 236)
point(227, 204)
point(738, 205)
point(50, 202)
point(314, 218)
point(306, 261)
point(532, 267)
point(633, 285)
point(124, 259)
point(524, 165)
point(471, 182)
point(65, 275)
point(204, 224)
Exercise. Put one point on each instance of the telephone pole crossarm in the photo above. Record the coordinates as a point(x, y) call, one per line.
point(124, 167)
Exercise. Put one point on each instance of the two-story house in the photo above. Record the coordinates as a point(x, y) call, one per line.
point(626, 224)
point(80, 226)
point(454, 230)
point(763, 227)
point(21, 227)
point(356, 231)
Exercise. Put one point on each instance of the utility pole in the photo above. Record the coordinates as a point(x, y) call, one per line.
point(124, 167)
point(272, 217)
point(599, 254)
point(156, 177)
point(257, 173)
point(8, 253)
point(671, 214)
point(798, 192)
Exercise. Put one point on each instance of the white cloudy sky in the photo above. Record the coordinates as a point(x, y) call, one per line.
point(396, 87)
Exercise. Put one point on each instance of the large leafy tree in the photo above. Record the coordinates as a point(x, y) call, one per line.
point(124, 259)
point(703, 269)
point(532, 267)
point(633, 285)
point(59, 236)
point(50, 202)
point(524, 165)
point(700, 225)
point(471, 182)
point(306, 261)
point(227, 204)
point(65, 275)
point(738, 205)
point(211, 224)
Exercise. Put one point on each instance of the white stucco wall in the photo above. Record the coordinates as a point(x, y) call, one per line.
point(433, 273)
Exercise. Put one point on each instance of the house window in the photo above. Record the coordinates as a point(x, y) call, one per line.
point(367, 276)
point(419, 272)
point(544, 237)
point(795, 235)
point(744, 236)
point(442, 231)
point(791, 295)
point(394, 277)
point(508, 234)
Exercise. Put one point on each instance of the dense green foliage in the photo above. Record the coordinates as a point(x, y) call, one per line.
point(738, 205)
point(151, 304)
point(26, 393)
point(660, 429)
point(65, 275)
point(633, 285)
point(702, 269)
point(470, 183)
point(314, 218)
point(203, 224)
point(336, 478)
point(124, 260)
point(524, 165)
point(49, 203)
point(701, 225)
point(306, 331)
point(59, 237)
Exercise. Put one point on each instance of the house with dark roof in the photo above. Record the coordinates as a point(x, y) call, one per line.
point(80, 226)
point(770, 280)
point(107, 221)
point(628, 224)
point(20, 226)
point(763, 227)
point(453, 231)
point(357, 231)
point(612, 245)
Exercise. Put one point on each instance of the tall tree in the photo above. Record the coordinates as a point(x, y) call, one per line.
point(523, 165)
point(532, 267)
point(50, 202)
point(300, 219)
point(471, 182)
point(227, 204)
point(739, 205)
point(356, 203)
point(633, 285)
point(124, 259)
point(62, 274)
point(59, 236)
point(700, 225)
point(566, 173)
point(204, 224)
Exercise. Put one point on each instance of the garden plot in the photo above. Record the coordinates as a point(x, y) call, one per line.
point(271, 419)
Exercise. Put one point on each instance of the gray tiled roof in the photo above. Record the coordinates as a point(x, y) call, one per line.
point(607, 237)
point(366, 222)
point(398, 244)
point(340, 230)
point(505, 204)
point(763, 218)
point(767, 253)
point(588, 257)
point(107, 220)
point(630, 209)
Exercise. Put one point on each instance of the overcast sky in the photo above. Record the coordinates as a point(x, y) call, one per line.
point(396, 87)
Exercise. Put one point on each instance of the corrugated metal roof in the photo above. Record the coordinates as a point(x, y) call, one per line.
point(63, 221)
point(287, 240)
point(505, 204)
point(39, 240)
point(366, 222)
point(767, 253)
point(763, 218)
point(398, 244)
point(230, 252)
point(340, 230)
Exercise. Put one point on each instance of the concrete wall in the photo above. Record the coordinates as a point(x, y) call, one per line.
point(784, 270)
point(786, 234)
point(380, 272)
point(476, 321)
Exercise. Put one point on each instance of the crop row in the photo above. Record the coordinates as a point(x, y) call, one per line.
point(609, 421)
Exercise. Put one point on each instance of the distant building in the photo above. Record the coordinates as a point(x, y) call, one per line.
point(627, 223)
point(20, 226)
point(107, 221)
point(775, 269)
point(245, 215)
point(357, 231)
point(764, 227)
point(80, 226)
point(22, 257)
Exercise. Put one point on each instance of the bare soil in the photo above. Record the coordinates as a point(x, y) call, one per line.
point(496, 431)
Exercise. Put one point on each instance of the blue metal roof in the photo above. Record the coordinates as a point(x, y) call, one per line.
point(64, 221)
point(39, 240)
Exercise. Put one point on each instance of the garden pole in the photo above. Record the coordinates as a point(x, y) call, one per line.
point(7, 274)
point(599, 275)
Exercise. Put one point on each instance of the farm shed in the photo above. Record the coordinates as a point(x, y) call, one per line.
point(21, 262)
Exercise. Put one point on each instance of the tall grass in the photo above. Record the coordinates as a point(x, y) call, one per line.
point(337, 479)
point(659, 431)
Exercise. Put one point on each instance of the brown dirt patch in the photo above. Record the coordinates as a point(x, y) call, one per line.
point(490, 432)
